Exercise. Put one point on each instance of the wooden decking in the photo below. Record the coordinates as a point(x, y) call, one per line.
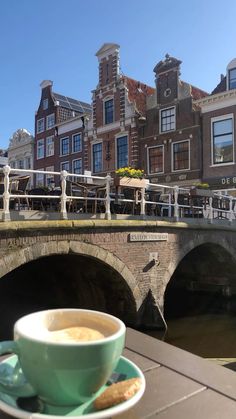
point(179, 384)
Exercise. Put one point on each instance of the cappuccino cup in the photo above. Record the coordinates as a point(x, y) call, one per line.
point(65, 355)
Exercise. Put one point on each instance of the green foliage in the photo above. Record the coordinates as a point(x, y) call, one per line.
point(201, 185)
point(130, 172)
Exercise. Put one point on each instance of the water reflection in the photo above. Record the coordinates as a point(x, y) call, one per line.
point(205, 325)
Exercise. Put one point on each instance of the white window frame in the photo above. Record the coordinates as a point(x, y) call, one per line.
point(148, 166)
point(41, 120)
point(230, 69)
point(120, 135)
point(48, 153)
point(74, 135)
point(52, 115)
point(92, 144)
point(65, 162)
point(49, 177)
point(43, 148)
point(45, 104)
point(28, 160)
point(21, 164)
point(172, 155)
point(106, 99)
point(73, 161)
point(61, 140)
point(160, 119)
point(39, 176)
point(217, 119)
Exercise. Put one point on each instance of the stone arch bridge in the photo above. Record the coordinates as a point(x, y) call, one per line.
point(125, 265)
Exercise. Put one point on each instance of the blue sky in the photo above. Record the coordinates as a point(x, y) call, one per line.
point(58, 39)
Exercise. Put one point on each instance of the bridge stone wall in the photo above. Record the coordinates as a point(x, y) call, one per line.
point(109, 242)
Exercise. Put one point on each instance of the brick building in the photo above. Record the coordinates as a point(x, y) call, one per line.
point(177, 133)
point(59, 133)
point(218, 112)
point(118, 103)
point(170, 136)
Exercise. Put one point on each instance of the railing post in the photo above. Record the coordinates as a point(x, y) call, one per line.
point(210, 209)
point(63, 195)
point(143, 202)
point(176, 205)
point(108, 198)
point(230, 209)
point(6, 194)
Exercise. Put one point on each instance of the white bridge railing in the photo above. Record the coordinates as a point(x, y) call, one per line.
point(154, 200)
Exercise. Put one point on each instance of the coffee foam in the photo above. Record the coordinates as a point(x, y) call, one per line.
point(39, 325)
point(65, 320)
point(75, 334)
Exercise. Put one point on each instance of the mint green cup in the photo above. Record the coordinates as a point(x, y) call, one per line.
point(64, 373)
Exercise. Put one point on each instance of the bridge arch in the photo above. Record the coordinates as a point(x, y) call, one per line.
point(91, 254)
point(183, 251)
point(206, 267)
point(191, 245)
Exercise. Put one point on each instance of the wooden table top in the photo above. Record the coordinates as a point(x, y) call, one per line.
point(179, 384)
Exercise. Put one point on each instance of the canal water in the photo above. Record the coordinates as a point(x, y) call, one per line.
point(205, 325)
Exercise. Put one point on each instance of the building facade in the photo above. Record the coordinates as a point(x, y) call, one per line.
point(118, 103)
point(59, 133)
point(21, 151)
point(170, 136)
point(218, 115)
point(178, 133)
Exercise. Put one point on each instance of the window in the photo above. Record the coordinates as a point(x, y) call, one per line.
point(49, 146)
point(222, 138)
point(180, 155)
point(65, 166)
point(40, 125)
point(40, 149)
point(49, 177)
point(232, 78)
point(97, 157)
point(13, 164)
point(64, 146)
point(50, 121)
point(20, 164)
point(167, 122)
point(109, 111)
point(77, 166)
point(45, 104)
point(39, 179)
point(28, 163)
point(122, 152)
point(155, 159)
point(76, 143)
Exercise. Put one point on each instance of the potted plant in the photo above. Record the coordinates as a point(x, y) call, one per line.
point(128, 176)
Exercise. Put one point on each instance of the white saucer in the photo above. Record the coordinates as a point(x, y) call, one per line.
point(8, 403)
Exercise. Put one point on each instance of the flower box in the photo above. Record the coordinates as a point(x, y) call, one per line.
point(201, 192)
point(130, 182)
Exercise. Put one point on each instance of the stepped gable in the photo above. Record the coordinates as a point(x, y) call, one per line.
point(138, 93)
point(221, 87)
point(197, 93)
